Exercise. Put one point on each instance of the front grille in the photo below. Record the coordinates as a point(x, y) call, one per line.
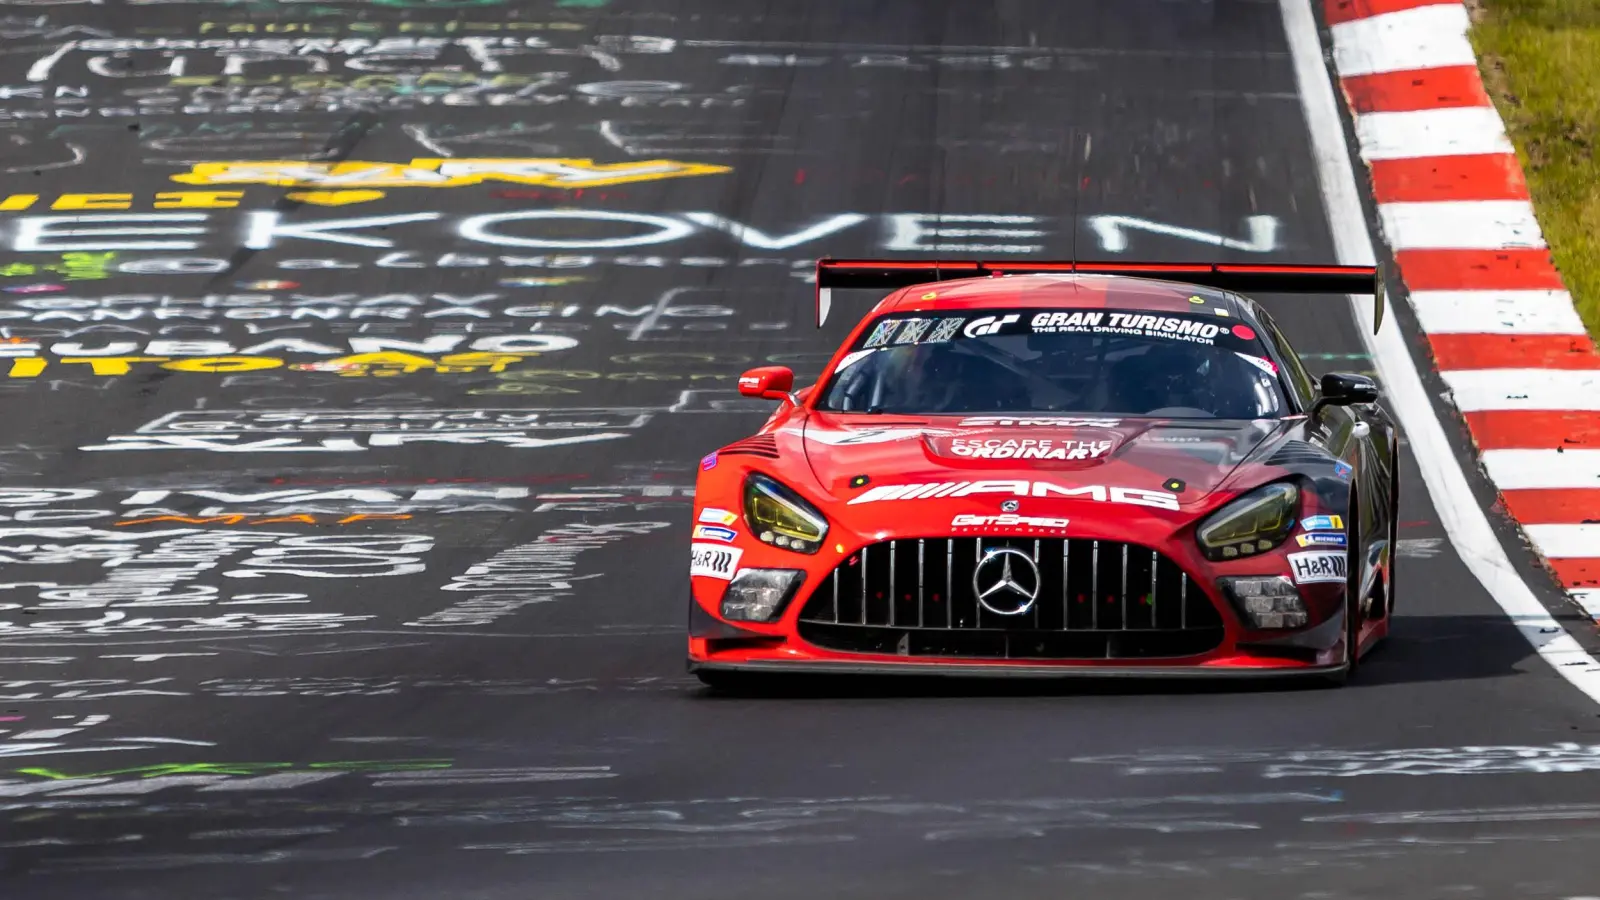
point(1096, 600)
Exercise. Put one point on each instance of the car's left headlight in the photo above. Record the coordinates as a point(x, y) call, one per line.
point(780, 517)
point(1253, 524)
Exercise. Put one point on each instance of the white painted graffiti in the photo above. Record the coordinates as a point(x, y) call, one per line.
point(1475, 760)
point(531, 344)
point(441, 310)
point(120, 623)
point(45, 785)
point(50, 737)
point(265, 229)
point(186, 57)
point(529, 574)
point(91, 689)
point(179, 506)
point(203, 95)
point(233, 431)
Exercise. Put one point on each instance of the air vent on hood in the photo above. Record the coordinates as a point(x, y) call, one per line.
point(762, 445)
point(1290, 452)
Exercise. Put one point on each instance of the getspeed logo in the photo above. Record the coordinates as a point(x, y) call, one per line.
point(952, 489)
point(986, 325)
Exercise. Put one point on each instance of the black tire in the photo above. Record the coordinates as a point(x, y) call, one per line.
point(1389, 594)
point(725, 682)
point(1352, 590)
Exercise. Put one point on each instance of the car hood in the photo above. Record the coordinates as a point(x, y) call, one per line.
point(1141, 454)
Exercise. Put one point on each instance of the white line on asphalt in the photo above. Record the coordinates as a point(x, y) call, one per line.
point(1469, 530)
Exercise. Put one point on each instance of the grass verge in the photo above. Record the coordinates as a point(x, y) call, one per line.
point(1541, 64)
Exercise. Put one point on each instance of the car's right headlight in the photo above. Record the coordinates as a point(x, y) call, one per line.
point(1252, 524)
point(780, 517)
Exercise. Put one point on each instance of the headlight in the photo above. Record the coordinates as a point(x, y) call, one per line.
point(778, 516)
point(759, 595)
point(1255, 523)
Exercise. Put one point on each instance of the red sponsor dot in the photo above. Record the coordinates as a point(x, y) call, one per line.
point(1244, 332)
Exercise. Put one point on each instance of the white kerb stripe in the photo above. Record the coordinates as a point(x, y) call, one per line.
point(1421, 38)
point(1531, 470)
point(1542, 389)
point(1496, 312)
point(1588, 599)
point(1432, 132)
point(1461, 224)
point(1564, 541)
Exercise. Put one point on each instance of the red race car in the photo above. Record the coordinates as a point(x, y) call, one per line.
point(1053, 469)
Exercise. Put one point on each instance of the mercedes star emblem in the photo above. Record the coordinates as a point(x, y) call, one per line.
point(1009, 506)
point(1006, 581)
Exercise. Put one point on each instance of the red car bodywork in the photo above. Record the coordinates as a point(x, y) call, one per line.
point(851, 466)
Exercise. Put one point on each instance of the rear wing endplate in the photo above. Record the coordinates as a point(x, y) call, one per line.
point(1267, 278)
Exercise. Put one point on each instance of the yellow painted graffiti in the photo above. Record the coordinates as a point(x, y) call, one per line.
point(359, 365)
point(356, 182)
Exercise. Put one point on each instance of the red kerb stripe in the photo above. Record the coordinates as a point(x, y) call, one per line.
point(1473, 270)
point(1490, 176)
point(1515, 429)
point(1578, 572)
point(1508, 351)
point(1554, 507)
point(1348, 10)
point(1414, 89)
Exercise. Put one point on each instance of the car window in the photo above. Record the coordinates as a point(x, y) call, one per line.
point(1300, 380)
point(1122, 362)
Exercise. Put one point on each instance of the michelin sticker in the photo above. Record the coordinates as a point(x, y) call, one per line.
point(1322, 523)
point(1321, 539)
point(713, 561)
point(718, 533)
point(1317, 567)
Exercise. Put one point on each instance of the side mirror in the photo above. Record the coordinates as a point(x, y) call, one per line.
point(769, 383)
point(1345, 389)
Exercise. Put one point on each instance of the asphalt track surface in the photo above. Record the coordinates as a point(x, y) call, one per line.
point(557, 749)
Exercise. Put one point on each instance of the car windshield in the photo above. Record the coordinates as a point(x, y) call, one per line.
point(1109, 362)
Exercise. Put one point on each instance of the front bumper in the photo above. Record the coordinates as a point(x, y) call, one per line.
point(1011, 670)
point(719, 646)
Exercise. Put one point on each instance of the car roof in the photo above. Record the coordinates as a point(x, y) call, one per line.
point(1067, 291)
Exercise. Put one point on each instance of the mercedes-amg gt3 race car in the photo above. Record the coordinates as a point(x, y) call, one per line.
point(1052, 469)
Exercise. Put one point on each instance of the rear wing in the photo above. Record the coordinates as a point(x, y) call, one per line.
point(1268, 278)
